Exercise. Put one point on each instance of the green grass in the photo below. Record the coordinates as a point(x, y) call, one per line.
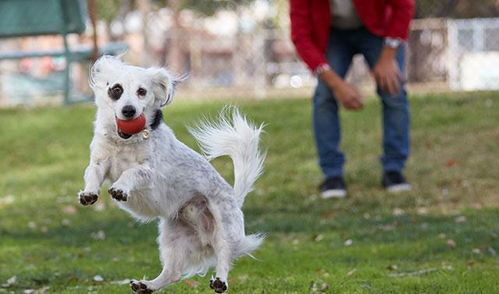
point(48, 240)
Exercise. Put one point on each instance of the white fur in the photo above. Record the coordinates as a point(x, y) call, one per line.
point(234, 136)
point(201, 222)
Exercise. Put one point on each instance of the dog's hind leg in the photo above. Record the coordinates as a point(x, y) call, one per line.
point(224, 259)
point(228, 233)
point(175, 244)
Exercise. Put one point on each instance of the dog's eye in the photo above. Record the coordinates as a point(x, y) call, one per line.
point(141, 92)
point(115, 92)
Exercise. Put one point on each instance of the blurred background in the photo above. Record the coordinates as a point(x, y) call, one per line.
point(237, 48)
point(442, 237)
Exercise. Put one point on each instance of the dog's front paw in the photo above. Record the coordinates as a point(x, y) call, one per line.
point(218, 285)
point(87, 198)
point(118, 194)
point(140, 288)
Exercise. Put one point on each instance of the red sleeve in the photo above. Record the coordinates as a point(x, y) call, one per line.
point(402, 13)
point(301, 34)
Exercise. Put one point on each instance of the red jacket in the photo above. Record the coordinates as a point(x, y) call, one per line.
point(311, 21)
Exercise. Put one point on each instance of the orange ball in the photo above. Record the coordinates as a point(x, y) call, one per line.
point(132, 126)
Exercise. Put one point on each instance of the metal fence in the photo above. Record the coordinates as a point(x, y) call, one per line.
point(243, 49)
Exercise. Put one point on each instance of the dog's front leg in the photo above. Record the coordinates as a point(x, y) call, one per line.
point(130, 179)
point(94, 176)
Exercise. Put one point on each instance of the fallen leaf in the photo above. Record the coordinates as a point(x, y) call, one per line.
point(416, 273)
point(398, 211)
point(319, 238)
point(318, 287)
point(422, 210)
point(32, 225)
point(122, 282)
point(100, 235)
point(191, 283)
point(69, 209)
point(351, 272)
point(10, 281)
point(243, 277)
point(451, 163)
point(98, 278)
point(448, 267)
point(99, 206)
point(6, 200)
point(392, 267)
point(327, 216)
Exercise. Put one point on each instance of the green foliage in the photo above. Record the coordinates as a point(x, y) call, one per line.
point(457, 8)
point(399, 243)
point(108, 9)
point(210, 7)
point(206, 8)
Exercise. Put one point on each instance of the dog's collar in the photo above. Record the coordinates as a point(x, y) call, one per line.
point(158, 117)
point(145, 133)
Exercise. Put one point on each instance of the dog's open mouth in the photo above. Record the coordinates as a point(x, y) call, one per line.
point(123, 135)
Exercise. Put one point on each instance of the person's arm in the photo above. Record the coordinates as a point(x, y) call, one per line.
point(400, 19)
point(386, 71)
point(301, 35)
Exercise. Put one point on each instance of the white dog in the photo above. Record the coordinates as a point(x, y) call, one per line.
point(155, 176)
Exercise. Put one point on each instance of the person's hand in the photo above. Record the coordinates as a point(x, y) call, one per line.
point(345, 93)
point(386, 72)
point(348, 95)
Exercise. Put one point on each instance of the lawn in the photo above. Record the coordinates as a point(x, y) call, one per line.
point(442, 237)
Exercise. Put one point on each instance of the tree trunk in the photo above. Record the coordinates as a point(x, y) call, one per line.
point(144, 7)
point(173, 45)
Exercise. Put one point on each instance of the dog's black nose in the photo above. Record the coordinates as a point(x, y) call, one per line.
point(128, 111)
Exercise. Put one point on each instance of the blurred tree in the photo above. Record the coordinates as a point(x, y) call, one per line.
point(457, 8)
point(109, 10)
point(204, 7)
point(173, 42)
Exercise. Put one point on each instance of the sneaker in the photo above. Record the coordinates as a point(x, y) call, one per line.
point(333, 187)
point(394, 181)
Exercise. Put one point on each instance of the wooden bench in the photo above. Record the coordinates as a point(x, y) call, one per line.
point(23, 18)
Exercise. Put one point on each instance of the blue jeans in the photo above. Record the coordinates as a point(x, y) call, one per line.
point(343, 45)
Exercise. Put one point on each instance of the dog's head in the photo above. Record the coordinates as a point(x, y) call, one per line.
point(129, 91)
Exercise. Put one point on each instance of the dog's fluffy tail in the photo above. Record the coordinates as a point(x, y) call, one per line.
point(234, 136)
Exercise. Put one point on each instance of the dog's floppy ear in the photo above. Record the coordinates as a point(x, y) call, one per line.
point(164, 84)
point(103, 68)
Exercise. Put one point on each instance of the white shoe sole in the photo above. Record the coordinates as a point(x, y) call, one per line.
point(333, 194)
point(399, 188)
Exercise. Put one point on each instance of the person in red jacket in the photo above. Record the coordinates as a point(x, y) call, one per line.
point(327, 34)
